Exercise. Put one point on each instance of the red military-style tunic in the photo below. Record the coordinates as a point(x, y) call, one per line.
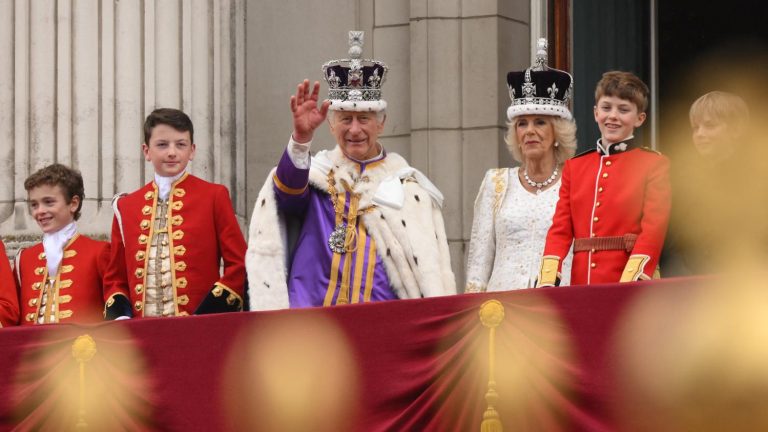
point(9, 300)
point(76, 295)
point(622, 190)
point(202, 230)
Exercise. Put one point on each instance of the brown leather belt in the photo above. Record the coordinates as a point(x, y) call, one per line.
point(625, 243)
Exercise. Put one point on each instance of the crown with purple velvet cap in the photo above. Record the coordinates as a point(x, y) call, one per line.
point(354, 83)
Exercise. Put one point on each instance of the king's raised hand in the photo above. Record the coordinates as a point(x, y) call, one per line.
point(307, 116)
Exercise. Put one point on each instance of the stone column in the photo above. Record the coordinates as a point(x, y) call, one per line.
point(82, 75)
point(461, 51)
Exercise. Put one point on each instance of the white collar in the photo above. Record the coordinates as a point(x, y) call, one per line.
point(367, 161)
point(164, 184)
point(54, 243)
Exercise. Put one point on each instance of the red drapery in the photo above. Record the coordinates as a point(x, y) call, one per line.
point(399, 365)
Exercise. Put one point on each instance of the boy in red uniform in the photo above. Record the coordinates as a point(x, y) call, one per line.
point(615, 199)
point(9, 300)
point(170, 237)
point(61, 278)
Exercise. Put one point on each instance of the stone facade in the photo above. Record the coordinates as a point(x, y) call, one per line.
point(82, 76)
point(85, 73)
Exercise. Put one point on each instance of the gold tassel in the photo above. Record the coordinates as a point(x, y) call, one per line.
point(491, 315)
point(83, 350)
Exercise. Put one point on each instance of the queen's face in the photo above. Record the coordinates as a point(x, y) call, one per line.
point(535, 135)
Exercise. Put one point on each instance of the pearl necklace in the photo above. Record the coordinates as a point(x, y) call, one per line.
point(540, 185)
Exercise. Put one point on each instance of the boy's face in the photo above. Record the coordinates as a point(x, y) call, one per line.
point(617, 118)
point(711, 136)
point(49, 207)
point(169, 150)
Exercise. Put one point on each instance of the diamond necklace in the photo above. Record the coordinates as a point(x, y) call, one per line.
point(540, 185)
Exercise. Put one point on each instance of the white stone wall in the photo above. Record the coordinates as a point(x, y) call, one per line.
point(78, 78)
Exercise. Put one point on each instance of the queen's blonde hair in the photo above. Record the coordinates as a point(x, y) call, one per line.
point(565, 135)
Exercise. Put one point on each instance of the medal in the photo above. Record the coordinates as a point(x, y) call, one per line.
point(336, 240)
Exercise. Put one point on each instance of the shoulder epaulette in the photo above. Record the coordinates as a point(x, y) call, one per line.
point(648, 149)
point(584, 153)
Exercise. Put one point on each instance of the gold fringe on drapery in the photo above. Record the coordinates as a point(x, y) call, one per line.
point(491, 315)
point(83, 350)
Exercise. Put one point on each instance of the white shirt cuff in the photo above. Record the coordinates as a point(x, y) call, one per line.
point(299, 153)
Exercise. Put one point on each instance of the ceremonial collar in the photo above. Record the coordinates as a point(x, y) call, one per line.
point(164, 184)
point(619, 147)
point(53, 245)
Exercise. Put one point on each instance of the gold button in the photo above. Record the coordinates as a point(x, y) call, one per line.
point(605, 175)
point(600, 189)
point(593, 265)
point(144, 224)
point(607, 163)
point(163, 255)
point(146, 210)
point(139, 272)
point(30, 316)
point(164, 242)
point(595, 218)
point(33, 302)
point(593, 250)
point(165, 299)
point(138, 305)
point(597, 204)
point(139, 289)
point(149, 195)
point(143, 239)
point(592, 235)
point(140, 255)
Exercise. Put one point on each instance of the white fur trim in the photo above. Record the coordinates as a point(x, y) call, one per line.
point(390, 191)
point(538, 109)
point(265, 258)
point(370, 106)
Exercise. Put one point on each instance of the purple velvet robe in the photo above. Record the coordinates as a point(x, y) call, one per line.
point(313, 279)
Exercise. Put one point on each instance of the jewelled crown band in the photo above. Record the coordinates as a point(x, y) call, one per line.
point(354, 84)
point(539, 89)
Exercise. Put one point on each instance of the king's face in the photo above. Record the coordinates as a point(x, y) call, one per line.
point(357, 133)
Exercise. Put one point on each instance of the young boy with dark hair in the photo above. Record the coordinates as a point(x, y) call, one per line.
point(61, 278)
point(9, 300)
point(170, 237)
point(614, 199)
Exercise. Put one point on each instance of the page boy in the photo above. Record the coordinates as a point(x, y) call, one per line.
point(615, 199)
point(59, 280)
point(170, 236)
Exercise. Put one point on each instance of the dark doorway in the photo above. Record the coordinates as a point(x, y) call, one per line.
point(607, 35)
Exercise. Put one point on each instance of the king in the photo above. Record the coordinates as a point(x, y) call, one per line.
point(350, 225)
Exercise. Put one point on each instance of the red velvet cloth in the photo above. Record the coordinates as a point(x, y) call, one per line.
point(399, 365)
